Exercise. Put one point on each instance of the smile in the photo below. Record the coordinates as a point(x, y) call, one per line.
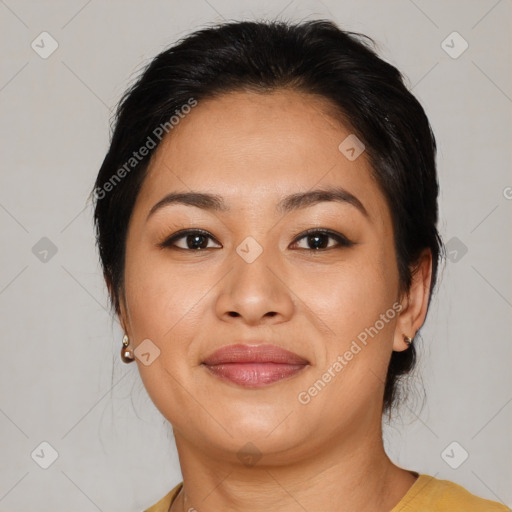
point(254, 365)
point(255, 374)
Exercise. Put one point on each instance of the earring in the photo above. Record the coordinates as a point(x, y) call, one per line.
point(407, 340)
point(126, 353)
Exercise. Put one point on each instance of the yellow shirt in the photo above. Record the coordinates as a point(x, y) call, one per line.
point(427, 494)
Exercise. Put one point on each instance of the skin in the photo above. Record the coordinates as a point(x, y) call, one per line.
point(254, 149)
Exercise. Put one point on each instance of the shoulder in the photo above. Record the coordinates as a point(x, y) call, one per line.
point(429, 494)
point(164, 504)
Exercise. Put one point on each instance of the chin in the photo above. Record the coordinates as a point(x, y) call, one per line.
point(253, 446)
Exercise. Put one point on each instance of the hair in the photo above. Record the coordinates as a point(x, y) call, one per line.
point(314, 57)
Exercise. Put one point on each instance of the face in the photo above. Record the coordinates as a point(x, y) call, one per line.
point(249, 274)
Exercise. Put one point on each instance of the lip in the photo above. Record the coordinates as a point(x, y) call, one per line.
point(262, 353)
point(254, 365)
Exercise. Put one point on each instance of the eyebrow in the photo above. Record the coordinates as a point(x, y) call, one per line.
point(214, 202)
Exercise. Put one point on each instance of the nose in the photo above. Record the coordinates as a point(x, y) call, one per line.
point(255, 293)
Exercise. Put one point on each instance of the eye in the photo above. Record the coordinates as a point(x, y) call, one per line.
point(318, 239)
point(194, 239)
point(197, 240)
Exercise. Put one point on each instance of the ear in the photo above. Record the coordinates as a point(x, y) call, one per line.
point(414, 302)
point(123, 314)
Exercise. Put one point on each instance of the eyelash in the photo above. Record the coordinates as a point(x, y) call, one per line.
point(342, 241)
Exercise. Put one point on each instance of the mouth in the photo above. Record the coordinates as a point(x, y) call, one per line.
point(254, 365)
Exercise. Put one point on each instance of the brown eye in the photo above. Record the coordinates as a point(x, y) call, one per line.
point(318, 240)
point(193, 239)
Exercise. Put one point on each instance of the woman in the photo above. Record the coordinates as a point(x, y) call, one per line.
point(266, 220)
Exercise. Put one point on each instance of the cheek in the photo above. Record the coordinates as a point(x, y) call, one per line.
point(356, 305)
point(162, 300)
point(352, 296)
point(165, 308)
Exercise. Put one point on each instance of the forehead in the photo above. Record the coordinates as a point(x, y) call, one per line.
point(253, 148)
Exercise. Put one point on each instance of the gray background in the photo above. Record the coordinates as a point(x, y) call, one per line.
point(61, 378)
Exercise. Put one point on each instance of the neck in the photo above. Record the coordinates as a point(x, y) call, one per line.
point(355, 474)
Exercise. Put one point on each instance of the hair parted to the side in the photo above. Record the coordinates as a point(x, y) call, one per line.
point(315, 57)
